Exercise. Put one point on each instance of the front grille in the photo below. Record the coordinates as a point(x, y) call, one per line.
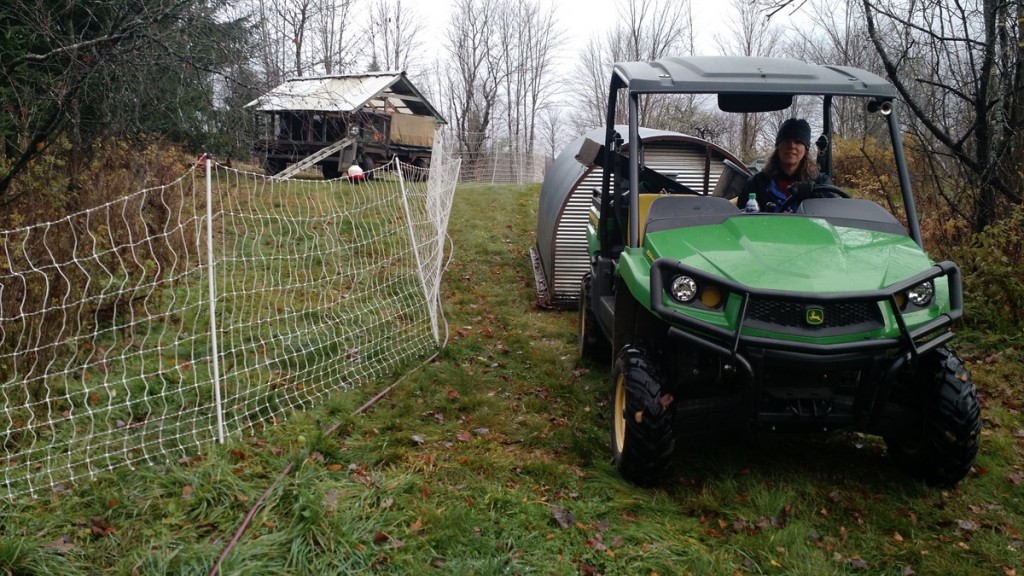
point(792, 317)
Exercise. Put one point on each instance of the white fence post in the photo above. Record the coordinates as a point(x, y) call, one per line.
point(416, 248)
point(214, 350)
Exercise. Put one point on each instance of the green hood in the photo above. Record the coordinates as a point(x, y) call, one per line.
point(791, 253)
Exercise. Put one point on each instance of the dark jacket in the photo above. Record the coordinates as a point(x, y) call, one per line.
point(769, 195)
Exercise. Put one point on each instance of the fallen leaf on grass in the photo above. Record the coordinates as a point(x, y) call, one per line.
point(563, 517)
point(968, 525)
point(99, 527)
point(1015, 478)
point(858, 562)
point(61, 544)
point(331, 501)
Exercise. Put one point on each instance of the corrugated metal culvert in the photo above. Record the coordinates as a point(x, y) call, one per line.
point(560, 258)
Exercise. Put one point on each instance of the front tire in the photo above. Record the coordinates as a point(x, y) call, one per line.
point(642, 435)
point(942, 446)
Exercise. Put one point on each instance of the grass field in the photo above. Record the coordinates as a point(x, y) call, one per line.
point(493, 459)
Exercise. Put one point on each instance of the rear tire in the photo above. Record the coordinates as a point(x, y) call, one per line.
point(642, 436)
point(942, 446)
point(368, 166)
point(592, 342)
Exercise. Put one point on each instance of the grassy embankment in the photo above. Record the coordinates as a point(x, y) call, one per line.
point(493, 460)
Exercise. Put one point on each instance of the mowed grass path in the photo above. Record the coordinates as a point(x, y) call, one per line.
point(493, 459)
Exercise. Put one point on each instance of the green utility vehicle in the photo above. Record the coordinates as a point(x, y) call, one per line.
point(829, 316)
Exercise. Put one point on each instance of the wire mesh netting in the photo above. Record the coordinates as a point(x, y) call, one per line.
point(122, 341)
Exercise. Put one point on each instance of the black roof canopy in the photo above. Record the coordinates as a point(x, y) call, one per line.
point(746, 75)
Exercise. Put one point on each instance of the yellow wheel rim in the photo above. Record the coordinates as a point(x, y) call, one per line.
point(618, 418)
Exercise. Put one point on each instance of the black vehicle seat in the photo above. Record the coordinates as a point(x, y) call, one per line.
point(852, 213)
point(675, 211)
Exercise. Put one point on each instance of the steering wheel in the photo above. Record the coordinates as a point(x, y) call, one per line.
point(816, 191)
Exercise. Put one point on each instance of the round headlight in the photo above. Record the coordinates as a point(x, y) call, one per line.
point(921, 295)
point(684, 288)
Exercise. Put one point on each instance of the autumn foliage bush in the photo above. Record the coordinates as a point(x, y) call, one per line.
point(994, 276)
point(866, 167)
point(990, 260)
point(55, 248)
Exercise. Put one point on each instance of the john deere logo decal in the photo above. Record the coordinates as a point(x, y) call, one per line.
point(815, 316)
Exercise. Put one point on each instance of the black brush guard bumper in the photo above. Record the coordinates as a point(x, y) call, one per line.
point(728, 343)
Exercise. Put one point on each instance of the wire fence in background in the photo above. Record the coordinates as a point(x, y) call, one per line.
point(148, 328)
point(495, 164)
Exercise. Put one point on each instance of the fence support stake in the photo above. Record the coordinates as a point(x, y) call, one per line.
point(214, 350)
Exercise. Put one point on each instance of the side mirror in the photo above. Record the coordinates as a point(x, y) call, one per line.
point(884, 106)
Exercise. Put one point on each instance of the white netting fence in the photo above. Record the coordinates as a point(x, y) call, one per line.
point(496, 164)
point(502, 167)
point(122, 341)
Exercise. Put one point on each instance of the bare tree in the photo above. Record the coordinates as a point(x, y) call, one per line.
point(958, 67)
point(648, 30)
point(333, 48)
point(271, 54)
point(552, 131)
point(293, 17)
point(590, 88)
point(526, 42)
point(472, 80)
point(751, 34)
point(393, 35)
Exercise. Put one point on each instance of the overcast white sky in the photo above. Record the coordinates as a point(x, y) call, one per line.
point(585, 19)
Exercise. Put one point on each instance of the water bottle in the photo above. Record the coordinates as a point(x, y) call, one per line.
point(752, 206)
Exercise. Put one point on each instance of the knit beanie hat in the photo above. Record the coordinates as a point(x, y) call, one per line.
point(795, 129)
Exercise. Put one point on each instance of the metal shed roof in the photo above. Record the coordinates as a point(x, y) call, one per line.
point(744, 75)
point(379, 91)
